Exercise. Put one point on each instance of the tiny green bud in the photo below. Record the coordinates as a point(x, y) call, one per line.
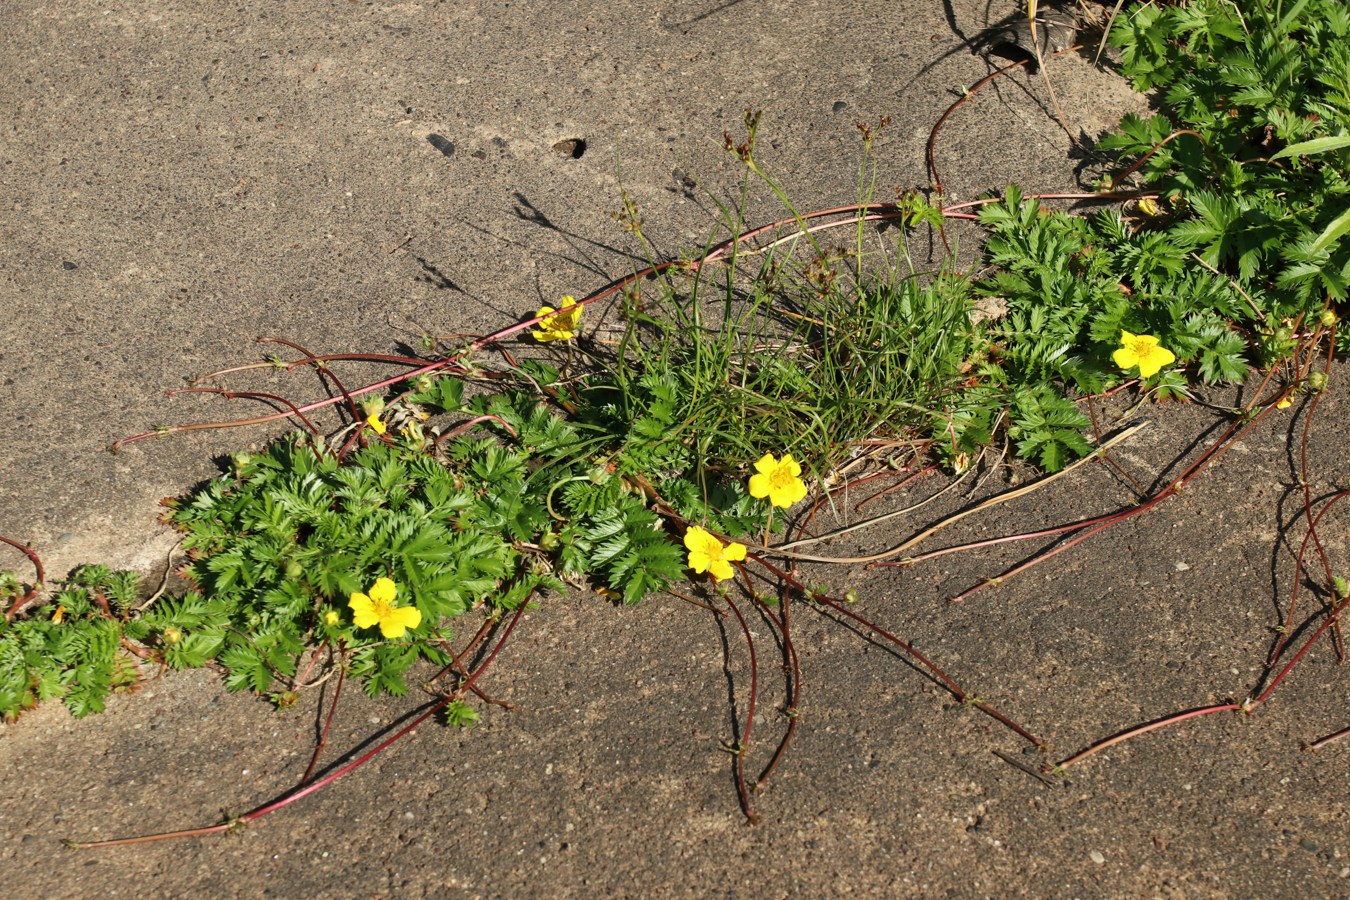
point(172, 635)
point(1329, 318)
point(372, 406)
point(294, 570)
point(549, 541)
point(1317, 382)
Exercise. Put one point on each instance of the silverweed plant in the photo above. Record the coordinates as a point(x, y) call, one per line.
point(653, 429)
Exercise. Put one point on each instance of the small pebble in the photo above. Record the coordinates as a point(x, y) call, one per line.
point(1097, 856)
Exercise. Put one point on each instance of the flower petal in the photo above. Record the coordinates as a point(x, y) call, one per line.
point(790, 493)
point(384, 590)
point(397, 621)
point(363, 611)
point(1125, 358)
point(697, 541)
point(1154, 360)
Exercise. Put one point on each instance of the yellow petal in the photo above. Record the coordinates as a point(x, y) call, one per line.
point(384, 590)
point(363, 611)
point(721, 570)
point(397, 621)
point(693, 538)
point(1155, 359)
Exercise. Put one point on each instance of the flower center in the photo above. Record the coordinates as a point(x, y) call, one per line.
point(1141, 346)
point(381, 608)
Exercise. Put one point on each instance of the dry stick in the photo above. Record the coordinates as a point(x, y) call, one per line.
point(964, 698)
point(1128, 432)
point(1147, 156)
point(362, 357)
point(1040, 67)
point(992, 542)
point(1246, 706)
point(305, 791)
point(1250, 704)
point(699, 603)
point(743, 745)
point(1143, 729)
point(454, 665)
point(794, 692)
point(782, 549)
point(932, 135)
point(458, 669)
point(1073, 195)
point(1307, 508)
point(327, 725)
point(211, 376)
point(1287, 628)
point(296, 411)
point(913, 476)
point(1331, 738)
point(454, 432)
point(1329, 622)
point(1097, 435)
point(938, 675)
point(323, 370)
point(830, 494)
point(37, 585)
point(1210, 456)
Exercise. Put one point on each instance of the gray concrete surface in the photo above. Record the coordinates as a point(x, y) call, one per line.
point(178, 178)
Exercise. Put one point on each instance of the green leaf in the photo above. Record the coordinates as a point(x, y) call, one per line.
point(1333, 232)
point(1316, 145)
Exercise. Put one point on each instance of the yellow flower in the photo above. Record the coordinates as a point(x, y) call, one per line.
point(1142, 350)
point(379, 609)
point(331, 618)
point(1284, 403)
point(376, 425)
point(708, 554)
point(563, 326)
point(778, 479)
point(58, 615)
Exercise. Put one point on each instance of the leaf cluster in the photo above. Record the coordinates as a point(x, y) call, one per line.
point(1251, 151)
